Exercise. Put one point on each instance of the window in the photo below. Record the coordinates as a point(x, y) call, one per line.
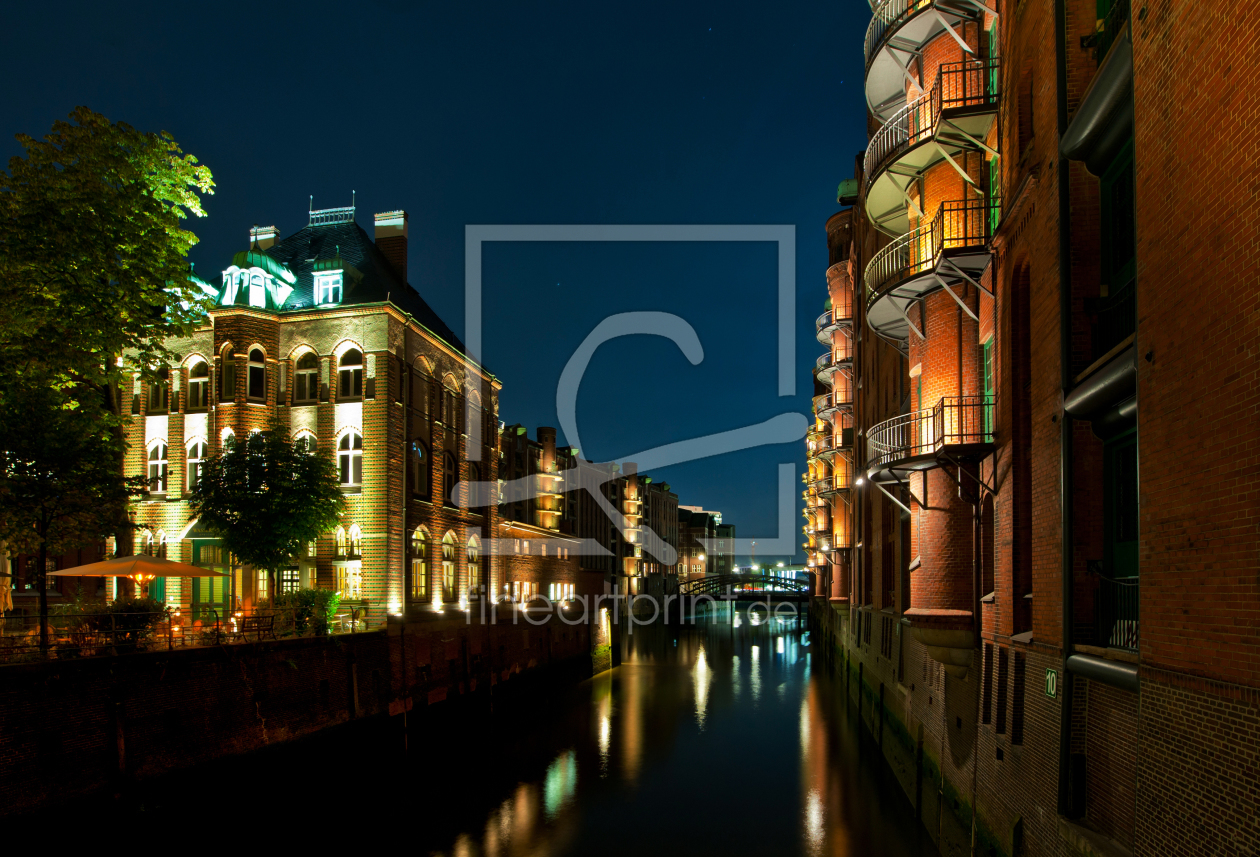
point(148, 549)
point(339, 539)
point(1120, 505)
point(198, 386)
point(448, 567)
point(986, 694)
point(228, 439)
point(305, 442)
point(290, 580)
point(328, 287)
point(1002, 669)
point(1017, 700)
point(448, 478)
point(986, 368)
point(419, 470)
point(350, 581)
point(306, 379)
point(196, 455)
point(257, 375)
point(355, 536)
point(419, 564)
point(160, 393)
point(350, 458)
point(227, 378)
point(350, 374)
point(157, 468)
point(257, 290)
point(474, 565)
point(261, 586)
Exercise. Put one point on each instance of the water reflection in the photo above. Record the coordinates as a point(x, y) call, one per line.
point(668, 755)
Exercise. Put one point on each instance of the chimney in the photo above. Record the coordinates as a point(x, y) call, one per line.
point(263, 237)
point(391, 240)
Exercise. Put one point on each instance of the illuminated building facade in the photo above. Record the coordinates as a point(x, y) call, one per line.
point(1023, 437)
point(322, 332)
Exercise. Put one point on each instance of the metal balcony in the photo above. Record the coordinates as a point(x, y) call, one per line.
point(959, 427)
point(1115, 610)
point(895, 37)
point(832, 362)
point(828, 405)
point(953, 117)
point(950, 250)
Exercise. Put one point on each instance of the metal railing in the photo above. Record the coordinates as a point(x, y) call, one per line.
point(1112, 25)
point(886, 17)
point(74, 634)
point(969, 83)
point(1115, 610)
point(957, 225)
point(954, 421)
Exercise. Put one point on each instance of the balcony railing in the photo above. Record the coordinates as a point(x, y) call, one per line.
point(828, 363)
point(1115, 610)
point(958, 225)
point(886, 17)
point(1112, 25)
point(1117, 318)
point(970, 83)
point(955, 421)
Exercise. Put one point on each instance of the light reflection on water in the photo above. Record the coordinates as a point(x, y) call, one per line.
point(667, 755)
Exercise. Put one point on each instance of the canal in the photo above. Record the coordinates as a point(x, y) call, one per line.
point(728, 737)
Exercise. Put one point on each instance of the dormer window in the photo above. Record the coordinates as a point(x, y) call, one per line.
point(257, 290)
point(328, 287)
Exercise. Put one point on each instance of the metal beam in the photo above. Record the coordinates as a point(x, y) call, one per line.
point(966, 47)
point(957, 299)
point(960, 272)
point(972, 139)
point(907, 318)
point(891, 497)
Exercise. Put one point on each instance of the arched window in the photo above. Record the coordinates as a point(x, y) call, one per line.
point(198, 386)
point(306, 379)
point(419, 564)
point(227, 440)
point(474, 565)
point(350, 373)
point(350, 458)
point(419, 470)
point(448, 567)
point(305, 442)
point(257, 375)
point(157, 467)
point(257, 291)
point(355, 546)
point(148, 549)
point(227, 378)
point(339, 540)
point(160, 393)
point(196, 455)
point(449, 478)
point(160, 551)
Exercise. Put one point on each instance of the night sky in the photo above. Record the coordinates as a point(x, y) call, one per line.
point(515, 114)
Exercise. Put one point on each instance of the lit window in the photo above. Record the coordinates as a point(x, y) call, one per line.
point(257, 374)
point(148, 544)
point(350, 372)
point(339, 540)
point(290, 580)
point(157, 467)
point(257, 291)
point(350, 581)
point(161, 545)
point(448, 566)
point(261, 590)
point(198, 383)
point(196, 455)
point(474, 565)
point(350, 458)
point(328, 287)
point(306, 379)
point(356, 542)
point(419, 564)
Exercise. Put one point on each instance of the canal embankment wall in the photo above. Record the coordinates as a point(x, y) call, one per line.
point(71, 729)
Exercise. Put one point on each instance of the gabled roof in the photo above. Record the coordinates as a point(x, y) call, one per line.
point(299, 252)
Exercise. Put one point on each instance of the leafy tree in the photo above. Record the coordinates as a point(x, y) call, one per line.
point(59, 488)
point(266, 496)
point(93, 259)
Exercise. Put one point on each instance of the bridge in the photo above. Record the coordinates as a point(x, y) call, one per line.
point(747, 587)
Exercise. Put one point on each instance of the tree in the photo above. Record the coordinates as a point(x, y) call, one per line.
point(93, 260)
point(266, 496)
point(59, 486)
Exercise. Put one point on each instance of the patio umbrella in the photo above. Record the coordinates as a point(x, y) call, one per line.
point(132, 566)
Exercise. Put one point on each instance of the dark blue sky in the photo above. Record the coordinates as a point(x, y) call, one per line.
point(515, 113)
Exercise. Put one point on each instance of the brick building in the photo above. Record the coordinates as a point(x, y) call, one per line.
point(1037, 551)
point(697, 536)
point(321, 331)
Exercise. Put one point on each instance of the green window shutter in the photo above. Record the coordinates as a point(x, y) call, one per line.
point(157, 588)
point(986, 363)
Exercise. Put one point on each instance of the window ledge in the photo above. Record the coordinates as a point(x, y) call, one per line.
point(345, 400)
point(351, 489)
point(305, 403)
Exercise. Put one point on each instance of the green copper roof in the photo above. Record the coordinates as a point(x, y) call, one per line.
point(259, 259)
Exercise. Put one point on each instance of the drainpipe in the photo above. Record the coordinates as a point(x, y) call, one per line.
point(1065, 421)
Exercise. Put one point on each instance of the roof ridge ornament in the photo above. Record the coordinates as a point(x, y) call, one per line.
point(328, 216)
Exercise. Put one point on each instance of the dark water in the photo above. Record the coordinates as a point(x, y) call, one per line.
point(726, 738)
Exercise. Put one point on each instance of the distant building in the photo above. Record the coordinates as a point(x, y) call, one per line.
point(697, 534)
point(724, 554)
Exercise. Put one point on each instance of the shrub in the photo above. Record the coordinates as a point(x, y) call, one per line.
point(306, 611)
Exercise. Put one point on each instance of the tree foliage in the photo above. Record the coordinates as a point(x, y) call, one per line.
point(266, 496)
point(93, 256)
